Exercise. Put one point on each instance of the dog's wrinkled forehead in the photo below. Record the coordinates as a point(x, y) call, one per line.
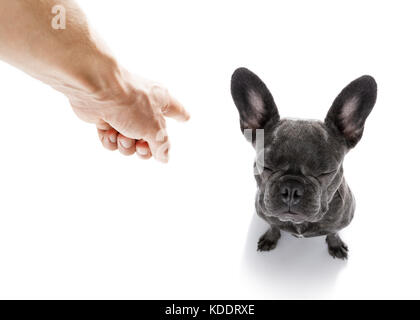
point(311, 145)
point(302, 144)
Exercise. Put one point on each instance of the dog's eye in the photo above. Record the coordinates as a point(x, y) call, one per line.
point(325, 174)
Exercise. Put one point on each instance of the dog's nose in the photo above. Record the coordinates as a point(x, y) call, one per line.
point(291, 192)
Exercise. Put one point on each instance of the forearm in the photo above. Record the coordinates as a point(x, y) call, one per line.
point(71, 58)
point(128, 111)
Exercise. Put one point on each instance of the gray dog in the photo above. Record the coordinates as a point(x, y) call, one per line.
point(301, 187)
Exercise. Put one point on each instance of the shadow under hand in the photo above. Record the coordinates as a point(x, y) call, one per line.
point(296, 268)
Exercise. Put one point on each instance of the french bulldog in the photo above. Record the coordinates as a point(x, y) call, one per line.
point(299, 170)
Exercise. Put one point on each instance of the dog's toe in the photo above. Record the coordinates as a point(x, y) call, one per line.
point(340, 252)
point(268, 240)
point(265, 244)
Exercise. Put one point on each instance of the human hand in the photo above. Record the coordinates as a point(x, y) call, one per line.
point(127, 111)
point(130, 115)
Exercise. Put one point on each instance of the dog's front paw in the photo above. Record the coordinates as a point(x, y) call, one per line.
point(266, 244)
point(336, 247)
point(268, 240)
point(340, 252)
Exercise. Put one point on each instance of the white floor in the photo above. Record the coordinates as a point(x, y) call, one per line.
point(297, 268)
point(77, 221)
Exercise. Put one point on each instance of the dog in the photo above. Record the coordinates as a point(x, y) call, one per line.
point(299, 170)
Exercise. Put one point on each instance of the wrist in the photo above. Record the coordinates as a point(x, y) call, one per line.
point(98, 76)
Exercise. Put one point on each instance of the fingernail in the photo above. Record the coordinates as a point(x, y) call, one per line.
point(142, 151)
point(127, 143)
point(113, 138)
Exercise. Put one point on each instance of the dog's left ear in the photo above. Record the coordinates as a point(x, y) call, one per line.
point(351, 108)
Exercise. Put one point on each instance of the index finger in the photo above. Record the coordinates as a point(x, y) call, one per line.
point(175, 110)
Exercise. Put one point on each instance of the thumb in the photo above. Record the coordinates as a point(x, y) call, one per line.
point(159, 145)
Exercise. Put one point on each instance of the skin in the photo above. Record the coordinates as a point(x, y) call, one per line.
point(301, 185)
point(129, 112)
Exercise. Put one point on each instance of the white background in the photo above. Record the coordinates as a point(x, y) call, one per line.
point(77, 221)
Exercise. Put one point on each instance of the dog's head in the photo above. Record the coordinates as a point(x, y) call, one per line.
point(299, 166)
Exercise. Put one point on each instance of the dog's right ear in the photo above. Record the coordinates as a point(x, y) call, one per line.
point(256, 106)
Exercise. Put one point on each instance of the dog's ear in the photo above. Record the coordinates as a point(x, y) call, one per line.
point(350, 109)
point(255, 103)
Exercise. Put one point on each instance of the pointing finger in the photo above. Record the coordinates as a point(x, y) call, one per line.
point(175, 110)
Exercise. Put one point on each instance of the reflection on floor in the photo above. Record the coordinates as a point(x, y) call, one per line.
point(296, 268)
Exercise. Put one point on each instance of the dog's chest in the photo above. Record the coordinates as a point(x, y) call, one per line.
point(299, 230)
point(302, 230)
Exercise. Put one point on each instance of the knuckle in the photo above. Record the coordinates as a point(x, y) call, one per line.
point(159, 95)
